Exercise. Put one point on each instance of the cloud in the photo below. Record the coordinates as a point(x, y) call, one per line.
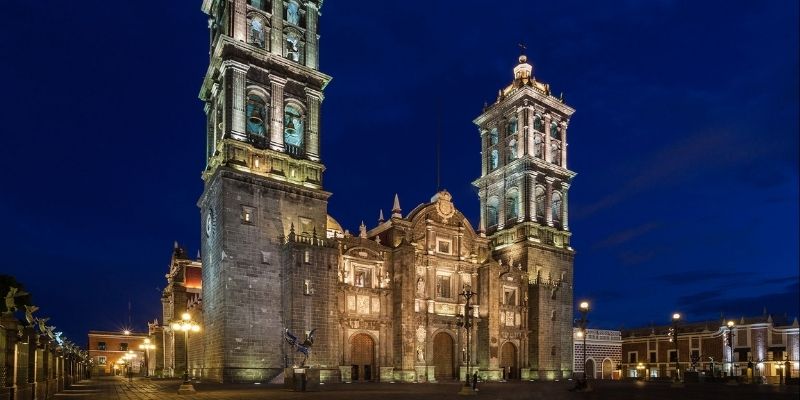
point(626, 235)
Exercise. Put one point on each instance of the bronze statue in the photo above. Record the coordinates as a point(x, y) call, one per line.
point(11, 298)
point(304, 347)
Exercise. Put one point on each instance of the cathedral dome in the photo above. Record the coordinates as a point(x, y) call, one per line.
point(332, 228)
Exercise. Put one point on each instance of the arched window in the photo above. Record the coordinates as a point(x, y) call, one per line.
point(555, 153)
point(511, 153)
point(491, 211)
point(263, 5)
point(257, 32)
point(512, 204)
point(493, 137)
point(293, 126)
point(540, 196)
point(554, 131)
point(512, 126)
point(256, 115)
point(293, 13)
point(493, 159)
point(537, 145)
point(294, 46)
point(537, 123)
point(556, 206)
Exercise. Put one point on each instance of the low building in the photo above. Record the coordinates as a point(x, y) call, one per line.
point(603, 353)
point(761, 347)
point(108, 351)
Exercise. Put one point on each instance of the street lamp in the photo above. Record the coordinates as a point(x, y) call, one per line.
point(730, 346)
point(146, 347)
point(675, 318)
point(186, 324)
point(465, 321)
point(584, 309)
point(128, 357)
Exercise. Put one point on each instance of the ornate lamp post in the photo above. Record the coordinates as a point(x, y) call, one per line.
point(584, 309)
point(186, 324)
point(674, 338)
point(465, 321)
point(730, 346)
point(146, 347)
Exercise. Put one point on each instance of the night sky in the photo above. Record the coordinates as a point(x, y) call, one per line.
point(685, 141)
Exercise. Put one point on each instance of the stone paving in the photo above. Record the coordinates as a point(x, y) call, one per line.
point(145, 389)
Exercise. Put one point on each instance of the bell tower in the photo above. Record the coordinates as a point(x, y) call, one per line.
point(523, 198)
point(262, 184)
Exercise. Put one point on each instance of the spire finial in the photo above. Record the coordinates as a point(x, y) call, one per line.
point(175, 245)
point(362, 230)
point(522, 48)
point(396, 210)
point(380, 217)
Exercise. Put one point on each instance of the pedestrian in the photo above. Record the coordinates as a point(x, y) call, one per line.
point(475, 381)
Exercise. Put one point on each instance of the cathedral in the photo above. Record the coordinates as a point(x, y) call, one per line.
point(388, 303)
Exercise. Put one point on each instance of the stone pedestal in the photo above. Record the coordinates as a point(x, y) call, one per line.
point(525, 374)
point(420, 373)
point(346, 373)
point(462, 371)
point(431, 374)
point(387, 374)
point(288, 378)
point(312, 380)
point(186, 388)
point(407, 376)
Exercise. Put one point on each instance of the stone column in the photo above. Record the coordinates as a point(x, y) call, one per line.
point(564, 144)
point(235, 81)
point(216, 119)
point(484, 151)
point(312, 60)
point(459, 240)
point(522, 132)
point(546, 152)
point(525, 202)
point(564, 209)
point(501, 206)
point(523, 194)
point(532, 195)
point(428, 239)
point(240, 20)
point(276, 31)
point(313, 100)
point(8, 343)
point(276, 127)
point(530, 150)
point(548, 208)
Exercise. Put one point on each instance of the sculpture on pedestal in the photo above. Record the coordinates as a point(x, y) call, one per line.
point(304, 347)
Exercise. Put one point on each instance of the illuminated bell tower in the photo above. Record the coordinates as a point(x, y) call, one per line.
point(523, 198)
point(263, 184)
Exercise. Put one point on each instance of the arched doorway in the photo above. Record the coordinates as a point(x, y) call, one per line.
point(362, 357)
point(608, 367)
point(508, 361)
point(589, 368)
point(443, 357)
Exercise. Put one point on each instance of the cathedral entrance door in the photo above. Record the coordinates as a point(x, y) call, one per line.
point(362, 356)
point(508, 361)
point(443, 357)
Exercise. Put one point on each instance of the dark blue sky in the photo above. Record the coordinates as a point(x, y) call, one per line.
point(685, 141)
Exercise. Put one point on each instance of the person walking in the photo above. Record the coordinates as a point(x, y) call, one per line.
point(475, 381)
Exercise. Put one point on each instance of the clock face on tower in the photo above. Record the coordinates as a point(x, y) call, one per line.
point(211, 223)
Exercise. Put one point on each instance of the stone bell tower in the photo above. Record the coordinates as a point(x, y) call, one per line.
point(263, 206)
point(523, 197)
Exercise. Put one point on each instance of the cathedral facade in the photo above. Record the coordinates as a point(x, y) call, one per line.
point(386, 304)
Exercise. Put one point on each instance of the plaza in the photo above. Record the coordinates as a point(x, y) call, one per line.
point(117, 388)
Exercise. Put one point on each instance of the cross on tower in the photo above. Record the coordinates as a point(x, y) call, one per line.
point(522, 48)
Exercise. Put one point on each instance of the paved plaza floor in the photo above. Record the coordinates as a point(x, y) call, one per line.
point(115, 388)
